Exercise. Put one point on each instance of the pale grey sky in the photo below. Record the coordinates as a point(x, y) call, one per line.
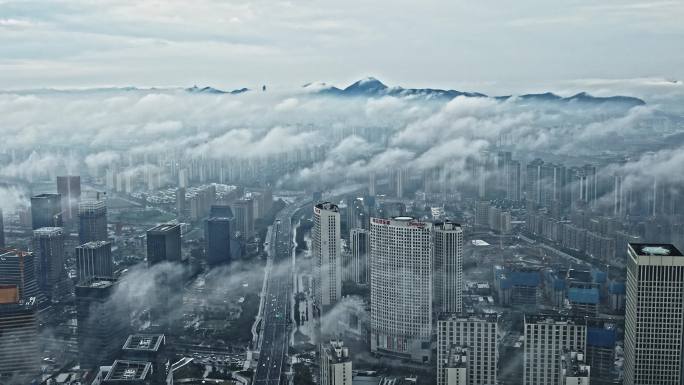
point(489, 46)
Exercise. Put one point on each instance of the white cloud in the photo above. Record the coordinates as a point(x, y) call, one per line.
point(357, 135)
point(233, 43)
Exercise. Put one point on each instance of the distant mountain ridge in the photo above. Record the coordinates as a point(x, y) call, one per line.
point(212, 90)
point(372, 87)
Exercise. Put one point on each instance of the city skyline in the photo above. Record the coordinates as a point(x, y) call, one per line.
point(306, 192)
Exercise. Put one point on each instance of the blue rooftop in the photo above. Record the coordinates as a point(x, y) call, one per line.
point(599, 276)
point(601, 337)
point(617, 287)
point(583, 295)
point(520, 278)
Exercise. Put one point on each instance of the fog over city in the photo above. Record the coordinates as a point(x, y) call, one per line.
point(303, 192)
point(89, 130)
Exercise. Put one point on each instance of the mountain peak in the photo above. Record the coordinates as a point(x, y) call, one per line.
point(206, 90)
point(368, 85)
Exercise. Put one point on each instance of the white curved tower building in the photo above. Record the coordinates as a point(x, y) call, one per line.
point(327, 250)
point(401, 287)
point(448, 275)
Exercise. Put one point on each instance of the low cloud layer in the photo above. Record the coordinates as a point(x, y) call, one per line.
point(143, 131)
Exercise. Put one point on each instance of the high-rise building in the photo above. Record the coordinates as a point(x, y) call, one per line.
point(327, 253)
point(219, 236)
point(164, 244)
point(485, 176)
point(574, 369)
point(124, 372)
point(181, 203)
point(357, 270)
point(19, 268)
point(222, 211)
point(336, 364)
point(102, 322)
point(513, 191)
point(354, 213)
point(482, 213)
point(150, 348)
point(448, 273)
point(19, 352)
point(46, 211)
point(475, 337)
point(503, 159)
point(401, 251)
point(371, 183)
point(533, 177)
point(583, 185)
point(48, 245)
point(243, 212)
point(552, 187)
point(94, 260)
point(455, 367)
point(92, 221)
point(600, 354)
point(69, 187)
point(2, 231)
point(400, 179)
point(547, 338)
point(654, 315)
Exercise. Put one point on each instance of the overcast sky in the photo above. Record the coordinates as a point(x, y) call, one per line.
point(490, 46)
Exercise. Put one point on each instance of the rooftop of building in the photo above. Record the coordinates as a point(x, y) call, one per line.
point(573, 363)
point(48, 231)
point(476, 317)
point(337, 352)
point(123, 370)
point(93, 245)
point(583, 295)
point(401, 221)
point(601, 335)
point(328, 206)
point(579, 275)
point(447, 225)
point(143, 342)
point(372, 378)
point(655, 249)
point(163, 228)
point(220, 219)
point(458, 357)
point(403, 218)
point(97, 283)
point(554, 318)
point(45, 195)
point(518, 275)
point(9, 294)
point(13, 253)
point(617, 287)
point(20, 305)
point(91, 204)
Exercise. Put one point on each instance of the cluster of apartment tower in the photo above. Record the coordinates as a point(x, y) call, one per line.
point(414, 270)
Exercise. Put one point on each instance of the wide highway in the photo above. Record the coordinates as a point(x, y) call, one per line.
point(276, 314)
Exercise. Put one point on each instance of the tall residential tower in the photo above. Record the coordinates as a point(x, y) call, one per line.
point(92, 221)
point(401, 287)
point(327, 253)
point(448, 273)
point(654, 315)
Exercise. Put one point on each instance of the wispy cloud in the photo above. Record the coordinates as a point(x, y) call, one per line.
point(285, 42)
